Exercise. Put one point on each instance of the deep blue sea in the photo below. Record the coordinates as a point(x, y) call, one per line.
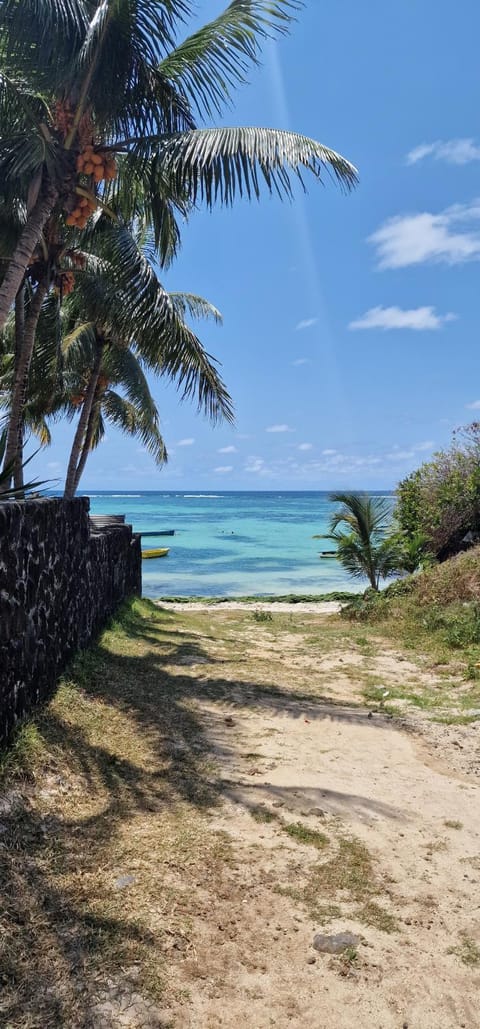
point(231, 543)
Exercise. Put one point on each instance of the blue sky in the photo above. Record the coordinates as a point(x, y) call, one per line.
point(350, 335)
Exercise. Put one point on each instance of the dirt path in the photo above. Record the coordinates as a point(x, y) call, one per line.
point(400, 866)
point(213, 795)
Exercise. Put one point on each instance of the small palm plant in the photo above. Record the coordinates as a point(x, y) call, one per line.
point(364, 546)
point(9, 492)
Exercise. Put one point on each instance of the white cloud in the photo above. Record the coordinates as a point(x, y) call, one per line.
point(395, 318)
point(400, 455)
point(54, 466)
point(474, 406)
point(186, 442)
point(255, 464)
point(299, 361)
point(223, 469)
point(453, 151)
point(427, 444)
point(407, 453)
point(453, 236)
point(279, 428)
point(305, 446)
point(227, 450)
point(328, 453)
point(306, 323)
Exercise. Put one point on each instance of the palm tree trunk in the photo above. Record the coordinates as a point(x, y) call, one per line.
point(79, 439)
point(23, 360)
point(24, 249)
point(87, 443)
point(19, 338)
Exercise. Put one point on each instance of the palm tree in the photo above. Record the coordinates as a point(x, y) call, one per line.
point(106, 384)
point(365, 549)
point(85, 81)
point(117, 290)
point(116, 319)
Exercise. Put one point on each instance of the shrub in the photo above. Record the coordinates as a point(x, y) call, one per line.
point(441, 500)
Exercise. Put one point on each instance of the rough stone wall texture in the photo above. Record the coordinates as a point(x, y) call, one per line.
point(59, 584)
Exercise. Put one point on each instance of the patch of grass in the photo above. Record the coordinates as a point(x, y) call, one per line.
point(285, 598)
point(372, 914)
point(302, 834)
point(456, 719)
point(347, 876)
point(350, 871)
point(467, 950)
point(262, 814)
point(435, 846)
point(453, 823)
point(262, 616)
point(24, 756)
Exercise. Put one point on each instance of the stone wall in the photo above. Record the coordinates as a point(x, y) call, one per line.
point(59, 584)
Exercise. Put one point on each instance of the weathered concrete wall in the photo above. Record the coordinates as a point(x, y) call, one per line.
point(59, 584)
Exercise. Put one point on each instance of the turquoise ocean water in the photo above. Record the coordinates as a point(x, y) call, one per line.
point(232, 544)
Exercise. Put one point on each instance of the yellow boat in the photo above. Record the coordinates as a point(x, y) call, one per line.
point(157, 552)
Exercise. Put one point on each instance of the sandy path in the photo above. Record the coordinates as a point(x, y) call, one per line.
point(335, 769)
point(323, 607)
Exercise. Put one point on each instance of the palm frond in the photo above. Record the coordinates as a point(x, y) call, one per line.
point(126, 416)
point(195, 306)
point(216, 57)
point(130, 304)
point(214, 165)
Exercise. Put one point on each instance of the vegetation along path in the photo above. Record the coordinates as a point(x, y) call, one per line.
point(212, 788)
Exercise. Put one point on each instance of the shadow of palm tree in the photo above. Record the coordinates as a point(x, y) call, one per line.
point(58, 941)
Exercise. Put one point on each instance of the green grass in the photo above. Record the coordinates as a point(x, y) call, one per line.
point(453, 823)
point(467, 950)
point(373, 914)
point(456, 719)
point(262, 814)
point(302, 834)
point(296, 830)
point(23, 757)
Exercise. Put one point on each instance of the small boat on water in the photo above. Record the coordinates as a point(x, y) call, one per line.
point(328, 553)
point(159, 532)
point(157, 552)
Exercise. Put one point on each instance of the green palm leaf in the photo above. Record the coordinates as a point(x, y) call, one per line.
point(216, 57)
point(214, 165)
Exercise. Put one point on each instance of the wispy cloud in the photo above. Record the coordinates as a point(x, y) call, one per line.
point(474, 406)
point(255, 464)
point(299, 361)
point(407, 453)
point(452, 151)
point(223, 469)
point(305, 446)
point(227, 450)
point(451, 237)
point(279, 428)
point(418, 318)
point(428, 444)
point(186, 442)
point(328, 453)
point(306, 323)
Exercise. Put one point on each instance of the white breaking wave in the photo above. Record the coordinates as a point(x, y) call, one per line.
point(201, 496)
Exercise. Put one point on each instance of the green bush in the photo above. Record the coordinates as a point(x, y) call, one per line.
point(440, 502)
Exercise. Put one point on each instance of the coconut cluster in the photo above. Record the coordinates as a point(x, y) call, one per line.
point(102, 168)
point(97, 163)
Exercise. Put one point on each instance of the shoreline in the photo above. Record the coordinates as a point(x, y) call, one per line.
point(324, 607)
